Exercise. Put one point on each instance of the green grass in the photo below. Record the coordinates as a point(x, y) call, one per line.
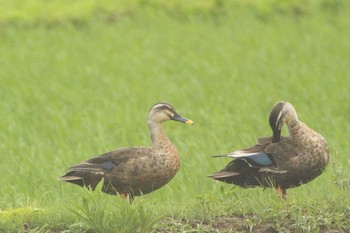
point(71, 92)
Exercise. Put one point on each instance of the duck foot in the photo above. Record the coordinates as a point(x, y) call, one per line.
point(282, 193)
point(129, 198)
point(124, 196)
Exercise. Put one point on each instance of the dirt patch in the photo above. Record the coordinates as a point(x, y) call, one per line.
point(239, 223)
point(232, 223)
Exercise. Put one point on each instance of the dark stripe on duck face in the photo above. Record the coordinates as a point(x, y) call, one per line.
point(164, 107)
point(275, 115)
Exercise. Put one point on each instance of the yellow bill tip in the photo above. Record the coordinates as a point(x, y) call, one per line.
point(189, 122)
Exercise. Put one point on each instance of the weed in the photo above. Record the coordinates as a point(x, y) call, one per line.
point(93, 212)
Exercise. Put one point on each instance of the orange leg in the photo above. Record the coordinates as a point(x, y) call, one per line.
point(281, 192)
point(129, 198)
point(123, 196)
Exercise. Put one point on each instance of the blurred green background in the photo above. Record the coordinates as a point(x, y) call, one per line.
point(78, 78)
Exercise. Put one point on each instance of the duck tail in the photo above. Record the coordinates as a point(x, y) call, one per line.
point(223, 174)
point(84, 174)
point(218, 156)
point(74, 179)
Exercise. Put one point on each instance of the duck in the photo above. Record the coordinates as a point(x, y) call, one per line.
point(134, 171)
point(279, 162)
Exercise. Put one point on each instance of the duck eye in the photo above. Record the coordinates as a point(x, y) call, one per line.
point(170, 114)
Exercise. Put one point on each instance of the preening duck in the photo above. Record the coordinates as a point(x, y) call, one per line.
point(134, 171)
point(279, 162)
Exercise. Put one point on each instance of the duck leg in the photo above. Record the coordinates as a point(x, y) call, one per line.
point(129, 198)
point(123, 195)
point(281, 192)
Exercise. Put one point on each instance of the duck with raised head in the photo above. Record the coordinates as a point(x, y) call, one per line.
point(279, 162)
point(134, 171)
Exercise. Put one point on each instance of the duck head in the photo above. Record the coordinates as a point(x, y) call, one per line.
point(161, 112)
point(282, 112)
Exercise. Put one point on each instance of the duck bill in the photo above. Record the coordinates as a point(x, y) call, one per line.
point(276, 137)
point(179, 118)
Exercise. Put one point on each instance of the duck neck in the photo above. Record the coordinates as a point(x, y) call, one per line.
point(158, 136)
point(293, 127)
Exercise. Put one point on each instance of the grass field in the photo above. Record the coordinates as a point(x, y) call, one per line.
point(72, 91)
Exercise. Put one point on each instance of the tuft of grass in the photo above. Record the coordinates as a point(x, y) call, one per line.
point(14, 218)
point(94, 213)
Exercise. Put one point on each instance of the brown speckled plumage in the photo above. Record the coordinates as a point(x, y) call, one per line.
point(280, 162)
point(135, 170)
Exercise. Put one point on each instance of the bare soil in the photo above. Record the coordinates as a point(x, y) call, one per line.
point(233, 223)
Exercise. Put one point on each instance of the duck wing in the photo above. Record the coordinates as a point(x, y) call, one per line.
point(283, 152)
point(255, 156)
point(90, 172)
point(261, 154)
point(246, 160)
point(259, 158)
